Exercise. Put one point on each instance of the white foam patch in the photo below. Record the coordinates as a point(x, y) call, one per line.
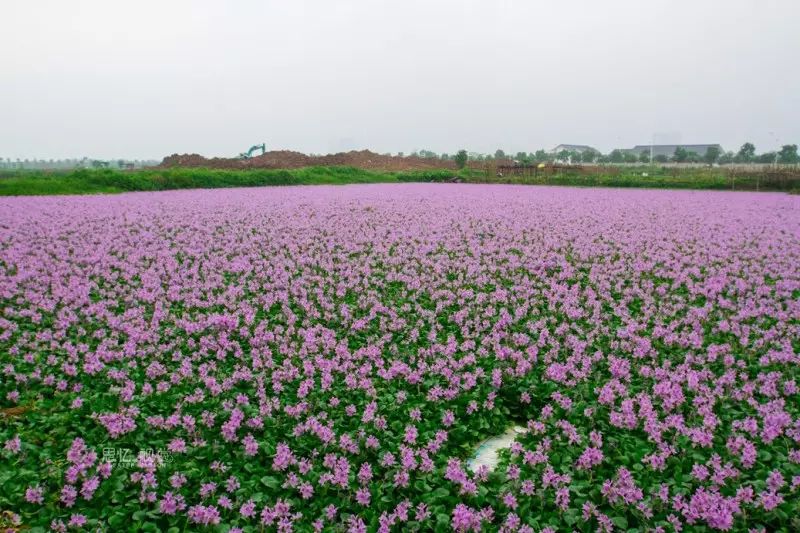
point(486, 452)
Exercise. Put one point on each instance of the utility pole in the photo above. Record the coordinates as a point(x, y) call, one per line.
point(777, 146)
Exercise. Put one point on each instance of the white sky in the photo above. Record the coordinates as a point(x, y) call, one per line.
point(146, 78)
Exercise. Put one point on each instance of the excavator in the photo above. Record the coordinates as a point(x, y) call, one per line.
point(248, 154)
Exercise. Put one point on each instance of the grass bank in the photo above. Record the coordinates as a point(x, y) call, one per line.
point(663, 178)
point(84, 181)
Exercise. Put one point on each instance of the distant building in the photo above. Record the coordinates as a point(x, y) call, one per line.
point(669, 149)
point(580, 148)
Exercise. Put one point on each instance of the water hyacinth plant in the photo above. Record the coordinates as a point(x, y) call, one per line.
point(326, 358)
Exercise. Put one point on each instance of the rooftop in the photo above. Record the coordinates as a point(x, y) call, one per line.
point(669, 149)
point(572, 148)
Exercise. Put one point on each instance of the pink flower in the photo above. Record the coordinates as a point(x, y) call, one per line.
point(171, 503)
point(363, 496)
point(250, 445)
point(89, 487)
point(509, 500)
point(465, 519)
point(77, 520)
point(589, 458)
point(13, 445)
point(204, 515)
point(177, 446)
point(68, 495)
point(306, 490)
point(247, 509)
point(34, 495)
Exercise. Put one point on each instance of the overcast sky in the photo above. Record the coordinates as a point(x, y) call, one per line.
point(146, 78)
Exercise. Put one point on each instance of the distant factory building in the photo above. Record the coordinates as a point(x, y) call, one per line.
point(669, 149)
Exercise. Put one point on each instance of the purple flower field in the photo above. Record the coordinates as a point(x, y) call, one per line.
point(327, 358)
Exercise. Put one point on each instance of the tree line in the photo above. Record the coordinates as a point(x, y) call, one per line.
point(787, 155)
point(68, 164)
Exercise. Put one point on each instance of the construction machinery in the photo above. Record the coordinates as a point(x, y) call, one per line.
point(248, 154)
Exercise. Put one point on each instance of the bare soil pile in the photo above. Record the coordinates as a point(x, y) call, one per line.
point(280, 159)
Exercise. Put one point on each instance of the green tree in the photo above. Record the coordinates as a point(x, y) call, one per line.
point(746, 153)
point(540, 156)
point(788, 154)
point(727, 158)
point(461, 159)
point(630, 157)
point(616, 156)
point(766, 157)
point(644, 157)
point(680, 155)
point(589, 156)
point(499, 154)
point(711, 155)
point(661, 158)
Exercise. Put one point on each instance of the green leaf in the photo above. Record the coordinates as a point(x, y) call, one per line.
point(421, 486)
point(271, 482)
point(441, 492)
point(117, 520)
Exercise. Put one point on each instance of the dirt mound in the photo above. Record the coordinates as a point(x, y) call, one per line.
point(363, 159)
point(183, 160)
point(278, 159)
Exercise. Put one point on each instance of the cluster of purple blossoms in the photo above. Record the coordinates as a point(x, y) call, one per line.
point(318, 359)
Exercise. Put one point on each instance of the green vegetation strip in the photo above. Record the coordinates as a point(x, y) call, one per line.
point(84, 181)
point(111, 181)
point(702, 179)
